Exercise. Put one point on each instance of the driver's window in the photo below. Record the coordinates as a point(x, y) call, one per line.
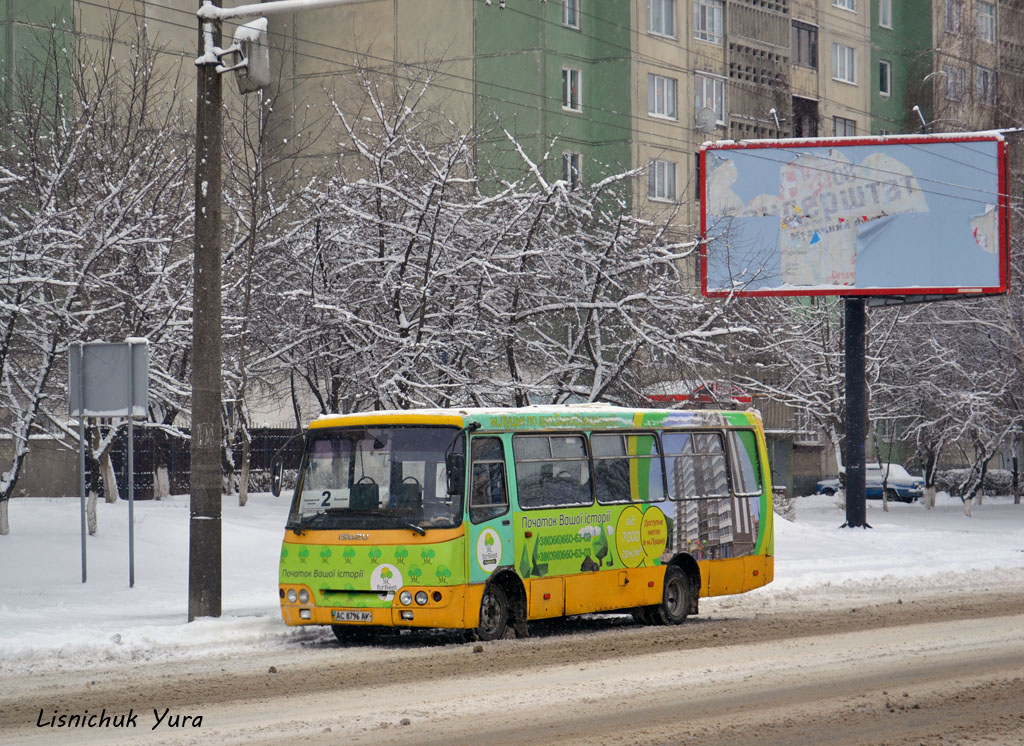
point(488, 496)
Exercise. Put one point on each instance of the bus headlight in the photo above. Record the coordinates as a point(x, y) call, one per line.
point(405, 597)
point(421, 597)
point(304, 596)
point(292, 596)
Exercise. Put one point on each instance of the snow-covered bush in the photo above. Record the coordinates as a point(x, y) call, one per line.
point(997, 481)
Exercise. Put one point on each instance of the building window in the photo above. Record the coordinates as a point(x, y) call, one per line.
point(662, 18)
point(842, 127)
point(954, 12)
point(805, 44)
point(661, 181)
point(986, 82)
point(986, 21)
point(709, 92)
point(707, 20)
point(661, 96)
point(805, 117)
point(884, 78)
point(571, 89)
point(954, 77)
point(884, 132)
point(572, 164)
point(885, 13)
point(844, 63)
point(571, 13)
point(845, 4)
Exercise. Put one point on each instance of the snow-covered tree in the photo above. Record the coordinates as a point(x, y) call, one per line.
point(259, 191)
point(93, 242)
point(796, 356)
point(408, 284)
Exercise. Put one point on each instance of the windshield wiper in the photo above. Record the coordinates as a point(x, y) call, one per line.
point(410, 525)
point(303, 523)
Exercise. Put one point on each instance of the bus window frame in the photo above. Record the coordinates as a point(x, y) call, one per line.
point(586, 460)
point(732, 436)
point(487, 512)
point(656, 435)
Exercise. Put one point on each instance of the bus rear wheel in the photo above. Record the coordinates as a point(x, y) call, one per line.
point(675, 599)
point(493, 614)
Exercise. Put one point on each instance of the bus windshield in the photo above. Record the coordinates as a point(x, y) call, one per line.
point(377, 477)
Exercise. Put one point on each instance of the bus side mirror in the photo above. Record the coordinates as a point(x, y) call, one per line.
point(276, 477)
point(455, 465)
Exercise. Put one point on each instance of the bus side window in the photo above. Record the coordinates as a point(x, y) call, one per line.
point(712, 468)
point(627, 467)
point(551, 470)
point(696, 465)
point(679, 465)
point(488, 496)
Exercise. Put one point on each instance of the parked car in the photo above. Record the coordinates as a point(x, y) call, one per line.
point(899, 485)
point(828, 486)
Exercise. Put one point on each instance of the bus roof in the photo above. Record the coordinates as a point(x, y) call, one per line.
point(545, 417)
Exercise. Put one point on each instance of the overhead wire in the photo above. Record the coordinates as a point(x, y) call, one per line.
point(388, 62)
point(423, 67)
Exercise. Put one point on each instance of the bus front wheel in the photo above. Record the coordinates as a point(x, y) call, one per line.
point(493, 614)
point(349, 633)
point(675, 600)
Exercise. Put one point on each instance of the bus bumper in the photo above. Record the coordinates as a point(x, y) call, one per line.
point(445, 608)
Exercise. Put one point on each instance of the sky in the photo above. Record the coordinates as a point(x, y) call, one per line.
point(51, 620)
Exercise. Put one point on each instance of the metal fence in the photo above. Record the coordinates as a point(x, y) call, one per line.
point(153, 448)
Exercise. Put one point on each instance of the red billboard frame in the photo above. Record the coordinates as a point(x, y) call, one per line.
point(1002, 215)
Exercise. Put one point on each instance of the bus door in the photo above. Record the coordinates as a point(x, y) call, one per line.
point(490, 534)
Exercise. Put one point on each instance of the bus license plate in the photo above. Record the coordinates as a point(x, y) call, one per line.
point(352, 616)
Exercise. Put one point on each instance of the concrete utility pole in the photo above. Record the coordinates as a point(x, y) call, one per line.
point(204, 569)
point(204, 556)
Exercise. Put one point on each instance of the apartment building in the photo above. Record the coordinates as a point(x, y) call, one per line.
point(964, 78)
point(901, 61)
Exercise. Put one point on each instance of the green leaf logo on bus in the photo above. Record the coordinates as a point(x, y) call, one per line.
point(386, 580)
point(488, 550)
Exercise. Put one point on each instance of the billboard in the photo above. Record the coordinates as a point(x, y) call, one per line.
point(894, 215)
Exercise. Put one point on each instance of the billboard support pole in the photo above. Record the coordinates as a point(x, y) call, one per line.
point(856, 413)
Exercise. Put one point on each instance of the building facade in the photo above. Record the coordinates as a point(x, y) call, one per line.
point(591, 88)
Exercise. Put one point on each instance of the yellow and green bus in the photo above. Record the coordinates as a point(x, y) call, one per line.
point(486, 519)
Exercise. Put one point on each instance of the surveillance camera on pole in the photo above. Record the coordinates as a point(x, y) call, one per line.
point(252, 71)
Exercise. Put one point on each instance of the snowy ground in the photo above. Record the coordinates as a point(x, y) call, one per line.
point(50, 620)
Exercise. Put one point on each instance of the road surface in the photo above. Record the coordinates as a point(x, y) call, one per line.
point(925, 669)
